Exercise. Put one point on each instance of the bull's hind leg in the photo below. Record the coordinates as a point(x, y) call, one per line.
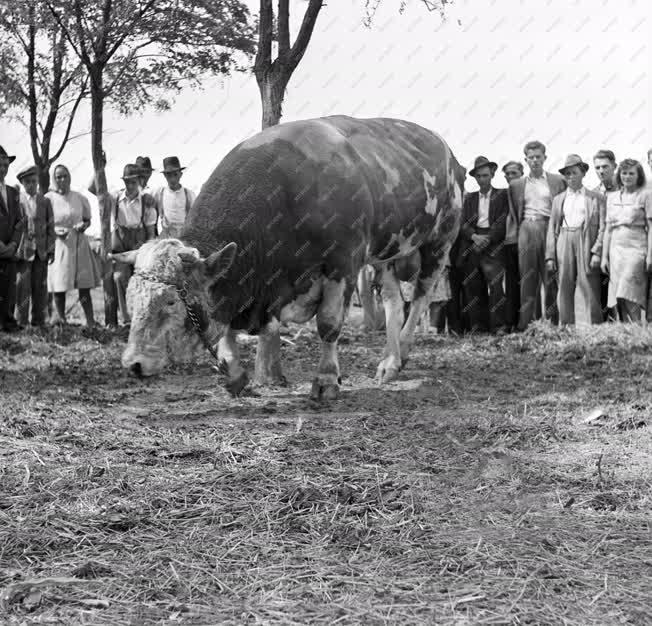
point(432, 265)
point(330, 318)
point(389, 367)
point(268, 356)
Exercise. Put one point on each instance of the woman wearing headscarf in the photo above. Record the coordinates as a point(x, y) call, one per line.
point(627, 246)
point(74, 266)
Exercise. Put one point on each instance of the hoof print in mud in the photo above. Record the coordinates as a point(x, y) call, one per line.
point(324, 391)
point(236, 387)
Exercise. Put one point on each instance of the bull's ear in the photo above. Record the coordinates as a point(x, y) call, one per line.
point(218, 263)
point(125, 257)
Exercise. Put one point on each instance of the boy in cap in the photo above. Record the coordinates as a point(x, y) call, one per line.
point(134, 222)
point(574, 242)
point(35, 252)
point(174, 200)
point(11, 230)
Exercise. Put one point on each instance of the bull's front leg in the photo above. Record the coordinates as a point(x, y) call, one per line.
point(268, 356)
point(330, 318)
point(390, 365)
point(229, 353)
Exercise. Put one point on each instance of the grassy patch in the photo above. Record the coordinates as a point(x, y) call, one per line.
point(469, 491)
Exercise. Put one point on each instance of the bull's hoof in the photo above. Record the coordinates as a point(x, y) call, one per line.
point(386, 375)
point(324, 391)
point(237, 385)
point(388, 370)
point(271, 381)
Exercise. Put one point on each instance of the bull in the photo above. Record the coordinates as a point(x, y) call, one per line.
point(279, 233)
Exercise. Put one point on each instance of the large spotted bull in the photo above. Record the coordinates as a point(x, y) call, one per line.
point(279, 233)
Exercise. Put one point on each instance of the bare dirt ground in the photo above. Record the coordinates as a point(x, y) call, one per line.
point(470, 491)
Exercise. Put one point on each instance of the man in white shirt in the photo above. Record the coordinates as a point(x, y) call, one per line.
point(604, 163)
point(174, 200)
point(133, 216)
point(530, 205)
point(574, 242)
point(481, 254)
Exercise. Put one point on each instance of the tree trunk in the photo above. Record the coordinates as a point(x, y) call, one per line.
point(272, 87)
point(43, 173)
point(97, 111)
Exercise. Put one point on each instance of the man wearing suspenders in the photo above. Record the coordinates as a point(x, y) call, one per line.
point(134, 222)
point(174, 200)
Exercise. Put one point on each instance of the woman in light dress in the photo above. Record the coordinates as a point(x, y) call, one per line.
point(627, 246)
point(74, 266)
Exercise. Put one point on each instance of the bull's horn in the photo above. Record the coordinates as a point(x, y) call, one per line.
point(125, 257)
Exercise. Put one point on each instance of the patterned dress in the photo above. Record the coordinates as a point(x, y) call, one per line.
point(626, 220)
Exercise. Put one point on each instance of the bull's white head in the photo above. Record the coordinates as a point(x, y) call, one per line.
point(161, 329)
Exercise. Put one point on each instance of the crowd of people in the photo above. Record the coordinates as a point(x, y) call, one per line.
point(545, 234)
point(532, 249)
point(44, 252)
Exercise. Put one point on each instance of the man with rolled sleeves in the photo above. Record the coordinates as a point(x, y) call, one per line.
point(531, 202)
point(35, 252)
point(481, 250)
point(11, 231)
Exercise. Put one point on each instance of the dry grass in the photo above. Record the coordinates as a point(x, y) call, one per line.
point(468, 492)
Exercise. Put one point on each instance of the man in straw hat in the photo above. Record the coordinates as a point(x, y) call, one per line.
point(574, 242)
point(481, 255)
point(530, 205)
point(174, 200)
point(11, 231)
point(35, 252)
point(134, 218)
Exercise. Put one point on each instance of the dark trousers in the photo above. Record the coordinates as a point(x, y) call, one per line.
point(512, 285)
point(483, 291)
point(32, 286)
point(454, 307)
point(532, 265)
point(7, 292)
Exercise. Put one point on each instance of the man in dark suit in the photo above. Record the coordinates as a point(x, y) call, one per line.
point(11, 230)
point(35, 252)
point(530, 205)
point(481, 254)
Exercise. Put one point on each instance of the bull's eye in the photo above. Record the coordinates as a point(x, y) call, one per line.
point(171, 302)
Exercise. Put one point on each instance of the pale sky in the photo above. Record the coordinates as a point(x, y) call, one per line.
point(574, 74)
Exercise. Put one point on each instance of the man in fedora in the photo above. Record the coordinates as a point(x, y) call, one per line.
point(174, 200)
point(481, 255)
point(574, 242)
point(145, 165)
point(530, 205)
point(134, 218)
point(35, 252)
point(11, 231)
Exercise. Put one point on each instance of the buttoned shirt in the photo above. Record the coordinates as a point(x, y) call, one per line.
point(173, 209)
point(130, 211)
point(483, 209)
point(3, 192)
point(538, 201)
point(601, 188)
point(574, 208)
